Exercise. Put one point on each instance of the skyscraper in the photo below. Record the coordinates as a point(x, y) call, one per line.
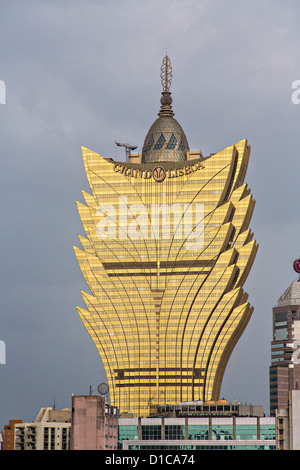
point(285, 352)
point(166, 253)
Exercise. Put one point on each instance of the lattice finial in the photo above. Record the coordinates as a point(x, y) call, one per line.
point(166, 74)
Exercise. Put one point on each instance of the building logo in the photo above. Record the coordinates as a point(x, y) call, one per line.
point(158, 174)
point(296, 265)
point(2, 352)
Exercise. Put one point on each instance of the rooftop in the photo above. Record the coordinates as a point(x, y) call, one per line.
point(291, 296)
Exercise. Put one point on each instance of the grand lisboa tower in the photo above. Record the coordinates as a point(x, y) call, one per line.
point(166, 252)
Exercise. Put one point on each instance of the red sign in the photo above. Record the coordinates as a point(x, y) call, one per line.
point(296, 265)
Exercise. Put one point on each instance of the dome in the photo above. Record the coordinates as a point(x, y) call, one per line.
point(165, 140)
point(291, 296)
point(222, 401)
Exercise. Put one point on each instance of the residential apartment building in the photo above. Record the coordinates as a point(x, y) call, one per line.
point(51, 430)
point(9, 434)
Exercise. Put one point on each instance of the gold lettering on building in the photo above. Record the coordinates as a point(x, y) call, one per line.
point(146, 174)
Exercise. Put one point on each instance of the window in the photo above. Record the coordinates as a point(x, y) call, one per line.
point(246, 432)
point(267, 432)
point(222, 432)
point(151, 432)
point(198, 432)
point(174, 432)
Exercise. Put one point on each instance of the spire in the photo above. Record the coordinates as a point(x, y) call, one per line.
point(166, 74)
point(165, 140)
point(166, 79)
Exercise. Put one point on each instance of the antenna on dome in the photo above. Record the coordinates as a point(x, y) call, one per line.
point(166, 80)
point(166, 74)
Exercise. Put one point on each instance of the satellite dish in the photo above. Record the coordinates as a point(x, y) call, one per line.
point(103, 389)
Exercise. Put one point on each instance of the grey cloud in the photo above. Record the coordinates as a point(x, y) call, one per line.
point(88, 73)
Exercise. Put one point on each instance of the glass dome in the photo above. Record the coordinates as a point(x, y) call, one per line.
point(165, 142)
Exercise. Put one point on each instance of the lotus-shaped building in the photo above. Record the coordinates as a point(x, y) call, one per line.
point(166, 253)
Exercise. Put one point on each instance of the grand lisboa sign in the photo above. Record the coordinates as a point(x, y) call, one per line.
point(158, 173)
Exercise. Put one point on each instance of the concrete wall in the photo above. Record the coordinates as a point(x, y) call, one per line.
point(88, 422)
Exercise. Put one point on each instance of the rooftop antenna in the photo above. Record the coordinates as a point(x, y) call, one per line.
point(166, 80)
point(128, 148)
point(166, 73)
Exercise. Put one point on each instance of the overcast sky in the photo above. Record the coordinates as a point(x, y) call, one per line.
point(87, 73)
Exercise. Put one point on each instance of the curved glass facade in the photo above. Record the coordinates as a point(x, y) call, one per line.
point(166, 253)
point(165, 256)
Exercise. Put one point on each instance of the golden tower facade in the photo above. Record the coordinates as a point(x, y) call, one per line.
point(166, 253)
